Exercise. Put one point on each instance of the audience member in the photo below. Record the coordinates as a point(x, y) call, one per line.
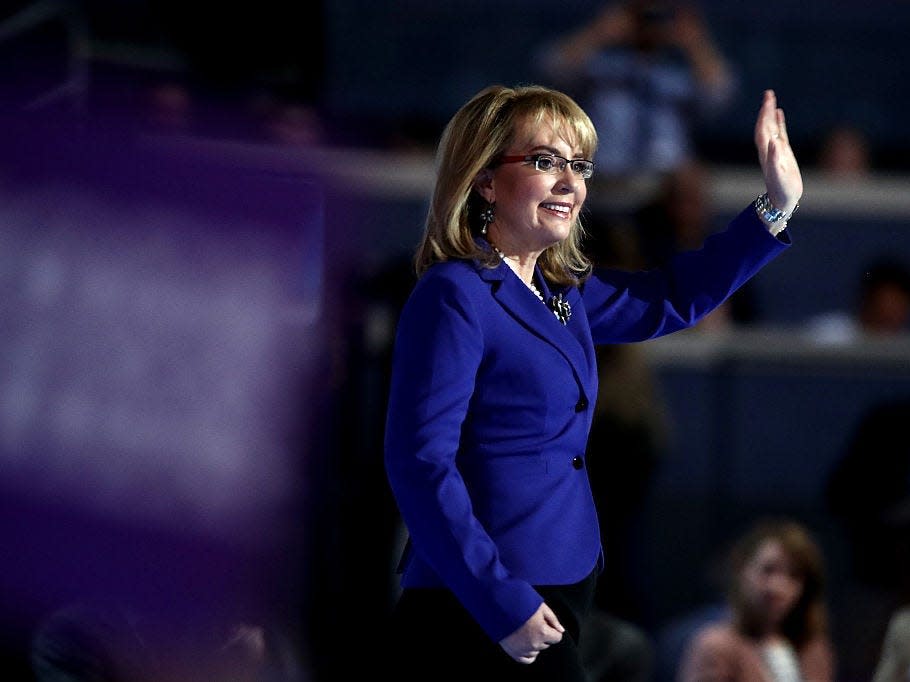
point(894, 664)
point(614, 650)
point(885, 298)
point(629, 418)
point(679, 214)
point(647, 71)
point(777, 626)
point(680, 217)
point(845, 153)
point(882, 308)
point(867, 493)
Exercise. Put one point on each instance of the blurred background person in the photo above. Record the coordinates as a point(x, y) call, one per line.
point(885, 298)
point(777, 627)
point(679, 216)
point(647, 71)
point(894, 664)
point(629, 418)
point(845, 153)
point(867, 493)
point(615, 650)
point(676, 215)
point(881, 309)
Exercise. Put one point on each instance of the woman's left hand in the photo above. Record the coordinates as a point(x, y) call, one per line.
point(783, 180)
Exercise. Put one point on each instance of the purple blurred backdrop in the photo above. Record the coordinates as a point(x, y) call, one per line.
point(160, 334)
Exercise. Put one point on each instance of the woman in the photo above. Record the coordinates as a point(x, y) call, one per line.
point(494, 378)
point(777, 631)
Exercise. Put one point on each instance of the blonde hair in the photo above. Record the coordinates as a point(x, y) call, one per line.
point(476, 135)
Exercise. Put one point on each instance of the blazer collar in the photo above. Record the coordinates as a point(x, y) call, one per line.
point(569, 339)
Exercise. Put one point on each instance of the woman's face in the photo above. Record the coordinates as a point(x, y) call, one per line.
point(534, 210)
point(770, 584)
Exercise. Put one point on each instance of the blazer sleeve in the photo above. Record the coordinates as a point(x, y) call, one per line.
point(438, 350)
point(624, 307)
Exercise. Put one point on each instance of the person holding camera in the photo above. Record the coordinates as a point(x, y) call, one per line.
point(646, 71)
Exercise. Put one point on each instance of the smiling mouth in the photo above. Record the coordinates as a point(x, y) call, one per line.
point(559, 209)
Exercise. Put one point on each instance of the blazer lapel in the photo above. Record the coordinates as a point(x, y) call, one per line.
point(521, 303)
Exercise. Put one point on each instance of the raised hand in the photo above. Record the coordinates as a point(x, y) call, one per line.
point(783, 180)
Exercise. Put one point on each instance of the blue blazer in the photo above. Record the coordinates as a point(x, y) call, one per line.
point(490, 407)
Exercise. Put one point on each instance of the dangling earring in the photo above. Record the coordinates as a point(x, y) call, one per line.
point(487, 216)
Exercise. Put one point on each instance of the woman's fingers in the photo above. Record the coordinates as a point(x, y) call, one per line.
point(782, 126)
point(552, 620)
point(766, 125)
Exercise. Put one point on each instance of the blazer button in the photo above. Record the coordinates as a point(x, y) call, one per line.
point(578, 462)
point(581, 405)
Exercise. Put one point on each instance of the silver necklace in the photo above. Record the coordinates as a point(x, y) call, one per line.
point(530, 285)
point(558, 305)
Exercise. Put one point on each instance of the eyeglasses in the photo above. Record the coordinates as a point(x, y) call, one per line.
point(551, 163)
